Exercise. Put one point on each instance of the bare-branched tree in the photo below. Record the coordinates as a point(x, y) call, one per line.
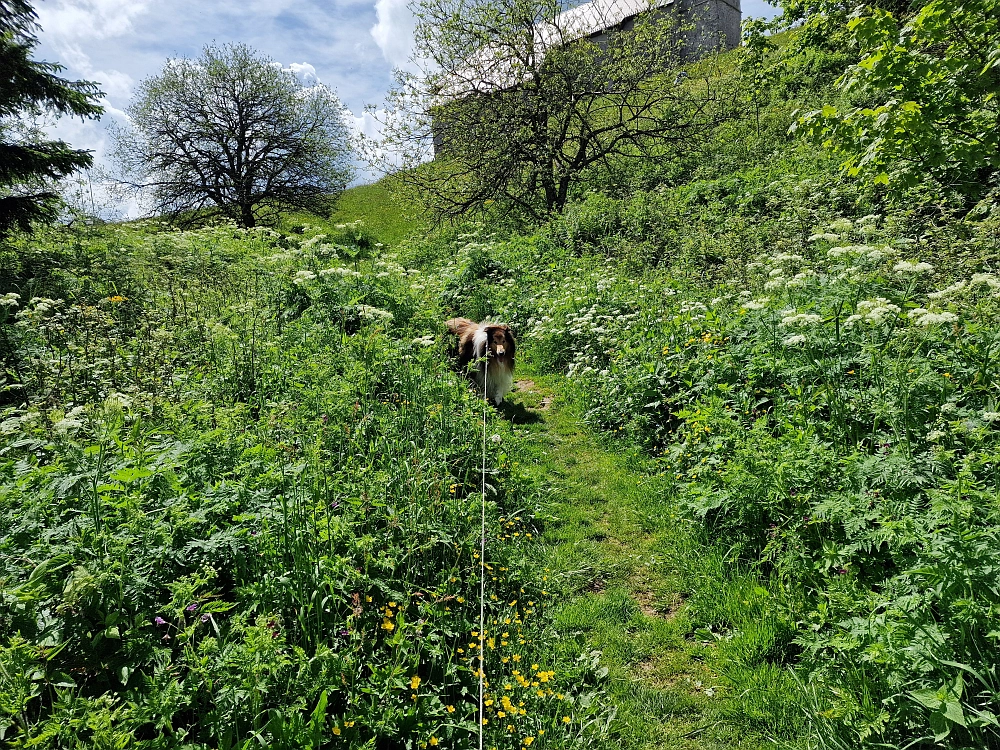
point(518, 98)
point(233, 134)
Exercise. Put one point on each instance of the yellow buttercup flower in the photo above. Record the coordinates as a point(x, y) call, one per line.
point(414, 682)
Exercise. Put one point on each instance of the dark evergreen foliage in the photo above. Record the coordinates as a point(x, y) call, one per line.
point(28, 162)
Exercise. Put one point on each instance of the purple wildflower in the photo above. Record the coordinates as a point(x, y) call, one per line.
point(159, 621)
point(191, 607)
point(344, 633)
point(206, 617)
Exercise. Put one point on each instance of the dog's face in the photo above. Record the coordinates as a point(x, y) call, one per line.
point(501, 341)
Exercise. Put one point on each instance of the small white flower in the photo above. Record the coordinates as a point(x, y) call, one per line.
point(373, 313)
point(935, 435)
point(801, 320)
point(757, 304)
point(991, 416)
point(826, 236)
point(912, 266)
point(796, 340)
point(936, 318)
point(66, 425)
point(495, 438)
point(948, 291)
point(424, 340)
point(985, 278)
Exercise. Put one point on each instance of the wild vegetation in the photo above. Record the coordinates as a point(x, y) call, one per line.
point(745, 495)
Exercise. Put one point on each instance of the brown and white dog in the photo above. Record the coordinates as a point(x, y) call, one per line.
point(482, 343)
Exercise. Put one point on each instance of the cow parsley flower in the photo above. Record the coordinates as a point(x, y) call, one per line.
point(801, 320)
point(923, 317)
point(912, 267)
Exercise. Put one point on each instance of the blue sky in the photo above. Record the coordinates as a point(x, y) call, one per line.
point(350, 45)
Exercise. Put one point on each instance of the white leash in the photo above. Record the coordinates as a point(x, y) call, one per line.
point(482, 562)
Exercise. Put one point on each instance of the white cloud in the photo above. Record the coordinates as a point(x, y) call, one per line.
point(393, 31)
point(68, 20)
point(305, 72)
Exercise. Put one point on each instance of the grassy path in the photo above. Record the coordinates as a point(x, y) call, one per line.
point(615, 522)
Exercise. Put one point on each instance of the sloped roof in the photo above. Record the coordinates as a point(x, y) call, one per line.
point(493, 70)
point(597, 16)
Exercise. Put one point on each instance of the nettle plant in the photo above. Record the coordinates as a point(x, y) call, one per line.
point(836, 421)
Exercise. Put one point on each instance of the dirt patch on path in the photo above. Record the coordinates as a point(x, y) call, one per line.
point(529, 387)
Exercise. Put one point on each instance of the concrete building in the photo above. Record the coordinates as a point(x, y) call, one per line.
point(705, 26)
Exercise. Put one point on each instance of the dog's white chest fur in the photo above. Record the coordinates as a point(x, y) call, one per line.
point(498, 375)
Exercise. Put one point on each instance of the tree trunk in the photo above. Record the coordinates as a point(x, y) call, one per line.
point(247, 220)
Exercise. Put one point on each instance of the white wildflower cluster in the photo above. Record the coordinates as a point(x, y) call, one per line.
point(850, 251)
point(800, 279)
point(991, 416)
point(796, 340)
point(39, 307)
point(301, 277)
point(339, 271)
point(874, 311)
point(9, 300)
point(985, 279)
point(692, 310)
point(801, 320)
point(368, 312)
point(923, 317)
point(760, 303)
point(782, 270)
point(824, 237)
point(934, 435)
point(390, 266)
point(912, 267)
point(69, 423)
point(427, 340)
point(318, 247)
point(950, 291)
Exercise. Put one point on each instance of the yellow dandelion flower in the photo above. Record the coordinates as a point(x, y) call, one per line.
point(566, 720)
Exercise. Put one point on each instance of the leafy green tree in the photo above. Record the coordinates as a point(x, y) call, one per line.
point(925, 98)
point(520, 99)
point(233, 134)
point(29, 162)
